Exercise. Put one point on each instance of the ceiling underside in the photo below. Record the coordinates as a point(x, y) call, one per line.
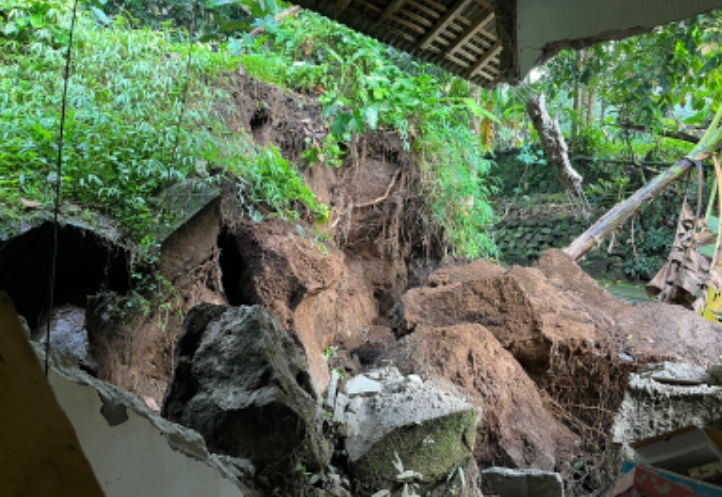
point(493, 41)
point(457, 35)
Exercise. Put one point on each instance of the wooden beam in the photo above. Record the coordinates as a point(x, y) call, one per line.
point(486, 58)
point(390, 9)
point(470, 33)
point(444, 22)
point(486, 5)
point(341, 5)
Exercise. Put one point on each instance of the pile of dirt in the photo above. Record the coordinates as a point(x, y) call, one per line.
point(573, 345)
point(515, 429)
point(329, 293)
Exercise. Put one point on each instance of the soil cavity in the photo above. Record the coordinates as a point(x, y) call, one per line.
point(235, 277)
point(86, 265)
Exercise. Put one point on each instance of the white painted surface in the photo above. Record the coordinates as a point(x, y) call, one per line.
point(542, 22)
point(133, 459)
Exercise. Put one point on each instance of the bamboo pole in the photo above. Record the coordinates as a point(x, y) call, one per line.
point(621, 212)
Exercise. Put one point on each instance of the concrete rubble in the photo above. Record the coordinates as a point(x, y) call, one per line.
point(132, 450)
point(505, 482)
point(652, 407)
point(401, 432)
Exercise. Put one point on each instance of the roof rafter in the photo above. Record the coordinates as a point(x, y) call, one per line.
point(472, 31)
point(485, 59)
point(390, 9)
point(444, 22)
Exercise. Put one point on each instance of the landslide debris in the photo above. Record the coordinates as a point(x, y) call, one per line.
point(243, 383)
point(575, 346)
point(402, 432)
point(516, 429)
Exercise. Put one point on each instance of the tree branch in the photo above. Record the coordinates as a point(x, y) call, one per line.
point(677, 135)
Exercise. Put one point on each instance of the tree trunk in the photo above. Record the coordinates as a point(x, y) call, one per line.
point(621, 212)
point(553, 143)
point(591, 104)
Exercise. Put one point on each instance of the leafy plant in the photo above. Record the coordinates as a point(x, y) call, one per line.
point(124, 142)
point(363, 87)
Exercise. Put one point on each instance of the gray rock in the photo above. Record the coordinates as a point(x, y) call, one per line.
point(243, 383)
point(339, 410)
point(332, 390)
point(676, 373)
point(68, 333)
point(506, 482)
point(410, 428)
point(361, 385)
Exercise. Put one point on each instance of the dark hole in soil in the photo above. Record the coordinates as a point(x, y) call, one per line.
point(237, 283)
point(86, 265)
point(260, 126)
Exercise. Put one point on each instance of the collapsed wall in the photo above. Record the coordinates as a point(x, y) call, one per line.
point(131, 450)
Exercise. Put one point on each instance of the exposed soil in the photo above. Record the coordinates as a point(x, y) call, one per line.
point(516, 430)
point(544, 351)
point(576, 342)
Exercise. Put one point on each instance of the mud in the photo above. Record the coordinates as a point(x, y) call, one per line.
point(516, 429)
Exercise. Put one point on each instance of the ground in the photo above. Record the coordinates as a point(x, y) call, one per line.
point(544, 351)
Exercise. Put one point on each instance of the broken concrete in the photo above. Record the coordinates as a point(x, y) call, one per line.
point(408, 432)
point(651, 408)
point(40, 454)
point(131, 450)
point(243, 383)
point(676, 373)
point(506, 482)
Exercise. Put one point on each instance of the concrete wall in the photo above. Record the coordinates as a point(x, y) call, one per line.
point(39, 452)
point(130, 455)
point(551, 23)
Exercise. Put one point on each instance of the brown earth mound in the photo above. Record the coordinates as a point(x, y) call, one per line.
point(576, 341)
point(515, 429)
point(310, 290)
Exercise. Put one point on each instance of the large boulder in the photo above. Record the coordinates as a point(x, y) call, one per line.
point(243, 383)
point(575, 340)
point(305, 284)
point(401, 432)
point(516, 429)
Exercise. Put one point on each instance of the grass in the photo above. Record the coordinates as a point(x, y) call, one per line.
point(123, 142)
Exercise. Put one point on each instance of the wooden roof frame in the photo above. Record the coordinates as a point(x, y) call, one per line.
point(461, 36)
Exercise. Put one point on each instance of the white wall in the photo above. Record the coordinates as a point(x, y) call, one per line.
point(540, 22)
point(133, 458)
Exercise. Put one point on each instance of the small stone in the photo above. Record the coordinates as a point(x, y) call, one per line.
point(332, 390)
point(361, 385)
point(524, 482)
point(339, 411)
point(414, 378)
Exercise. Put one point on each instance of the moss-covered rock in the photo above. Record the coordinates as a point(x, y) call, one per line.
point(435, 449)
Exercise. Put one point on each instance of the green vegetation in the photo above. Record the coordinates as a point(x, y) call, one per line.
point(364, 85)
point(125, 141)
point(133, 130)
